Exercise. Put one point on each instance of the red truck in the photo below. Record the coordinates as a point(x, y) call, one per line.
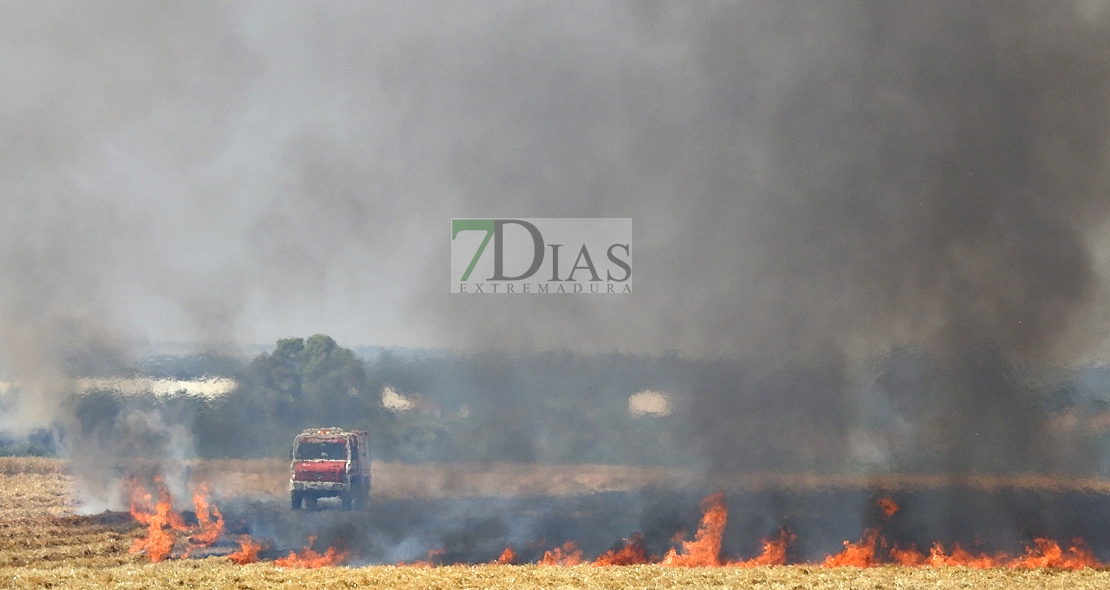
point(328, 463)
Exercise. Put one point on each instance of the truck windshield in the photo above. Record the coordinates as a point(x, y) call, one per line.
point(307, 451)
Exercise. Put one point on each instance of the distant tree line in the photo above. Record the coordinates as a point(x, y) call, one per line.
point(556, 407)
point(562, 407)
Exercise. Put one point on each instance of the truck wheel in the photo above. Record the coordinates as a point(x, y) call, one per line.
point(295, 498)
point(346, 499)
point(310, 502)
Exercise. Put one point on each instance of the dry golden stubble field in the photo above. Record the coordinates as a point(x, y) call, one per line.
point(219, 573)
point(39, 530)
point(44, 545)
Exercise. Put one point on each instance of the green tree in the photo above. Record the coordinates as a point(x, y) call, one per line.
point(301, 384)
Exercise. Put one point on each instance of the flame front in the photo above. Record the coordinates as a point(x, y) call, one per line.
point(858, 554)
point(161, 521)
point(1043, 553)
point(568, 554)
point(433, 556)
point(705, 549)
point(308, 558)
point(1047, 553)
point(248, 551)
point(209, 530)
point(963, 558)
point(774, 551)
point(508, 557)
point(907, 557)
point(633, 553)
point(870, 551)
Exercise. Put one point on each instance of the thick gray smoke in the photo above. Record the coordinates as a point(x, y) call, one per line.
point(812, 184)
point(77, 236)
point(805, 177)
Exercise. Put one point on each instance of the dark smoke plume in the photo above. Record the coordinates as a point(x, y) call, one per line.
point(939, 179)
point(813, 183)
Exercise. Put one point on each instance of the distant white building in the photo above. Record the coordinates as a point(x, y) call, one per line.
point(209, 387)
point(648, 402)
point(393, 400)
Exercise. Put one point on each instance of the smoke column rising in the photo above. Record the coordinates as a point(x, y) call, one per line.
point(811, 183)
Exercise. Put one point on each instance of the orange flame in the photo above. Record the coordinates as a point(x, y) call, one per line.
point(1047, 553)
point(774, 551)
point(568, 554)
point(209, 530)
point(705, 549)
point(888, 507)
point(1042, 553)
point(508, 557)
point(161, 521)
point(633, 553)
point(429, 562)
point(858, 554)
point(869, 551)
point(308, 558)
point(962, 557)
point(248, 551)
point(907, 557)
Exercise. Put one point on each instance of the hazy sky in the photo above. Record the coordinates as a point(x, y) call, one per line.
point(243, 172)
point(239, 172)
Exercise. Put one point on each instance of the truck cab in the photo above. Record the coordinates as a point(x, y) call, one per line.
point(329, 463)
